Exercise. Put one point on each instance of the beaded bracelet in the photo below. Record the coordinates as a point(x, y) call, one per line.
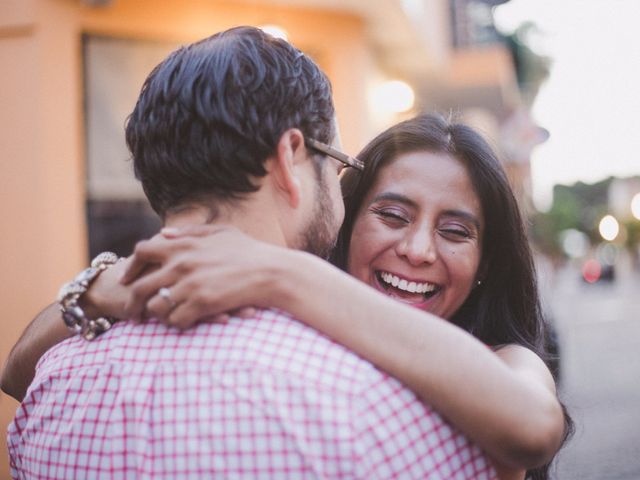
point(69, 295)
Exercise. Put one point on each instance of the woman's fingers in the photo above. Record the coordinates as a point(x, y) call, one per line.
point(168, 243)
point(220, 318)
point(161, 304)
point(245, 312)
point(193, 231)
point(146, 252)
point(193, 279)
point(148, 286)
point(201, 307)
point(197, 301)
point(183, 292)
point(155, 251)
point(186, 314)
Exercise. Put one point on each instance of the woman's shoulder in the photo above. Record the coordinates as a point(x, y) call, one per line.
point(525, 361)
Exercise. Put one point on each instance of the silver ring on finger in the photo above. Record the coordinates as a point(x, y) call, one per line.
point(165, 294)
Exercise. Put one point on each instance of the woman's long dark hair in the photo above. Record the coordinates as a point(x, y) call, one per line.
point(505, 308)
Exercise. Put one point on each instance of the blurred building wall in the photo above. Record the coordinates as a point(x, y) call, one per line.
point(41, 169)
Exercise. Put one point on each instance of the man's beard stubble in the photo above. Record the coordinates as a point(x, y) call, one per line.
point(321, 234)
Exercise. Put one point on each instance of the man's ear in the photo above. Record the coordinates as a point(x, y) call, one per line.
point(286, 164)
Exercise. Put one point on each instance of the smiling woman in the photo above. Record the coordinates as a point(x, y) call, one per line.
point(464, 215)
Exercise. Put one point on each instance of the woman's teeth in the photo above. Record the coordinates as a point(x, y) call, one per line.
point(402, 284)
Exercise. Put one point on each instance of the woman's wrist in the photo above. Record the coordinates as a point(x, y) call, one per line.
point(281, 287)
point(96, 304)
point(288, 281)
point(106, 296)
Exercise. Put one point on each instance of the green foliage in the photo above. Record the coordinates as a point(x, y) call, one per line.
point(577, 206)
point(633, 233)
point(532, 69)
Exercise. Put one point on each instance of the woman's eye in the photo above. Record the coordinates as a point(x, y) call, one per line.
point(458, 233)
point(391, 215)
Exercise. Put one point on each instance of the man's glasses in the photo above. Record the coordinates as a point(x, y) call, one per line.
point(348, 160)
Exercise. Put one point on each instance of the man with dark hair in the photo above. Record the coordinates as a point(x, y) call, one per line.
point(229, 130)
point(211, 113)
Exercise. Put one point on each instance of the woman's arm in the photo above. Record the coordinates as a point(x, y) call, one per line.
point(44, 331)
point(505, 402)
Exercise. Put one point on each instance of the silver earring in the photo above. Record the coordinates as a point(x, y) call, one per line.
point(479, 282)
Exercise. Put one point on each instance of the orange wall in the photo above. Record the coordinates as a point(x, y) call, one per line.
point(337, 41)
point(41, 197)
point(43, 241)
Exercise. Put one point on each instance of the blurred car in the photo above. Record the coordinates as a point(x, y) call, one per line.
point(594, 271)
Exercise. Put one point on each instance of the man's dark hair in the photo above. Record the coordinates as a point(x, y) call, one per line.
point(210, 114)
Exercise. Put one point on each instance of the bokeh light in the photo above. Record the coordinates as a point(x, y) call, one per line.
point(575, 243)
point(591, 271)
point(607, 253)
point(609, 228)
point(394, 96)
point(275, 31)
point(635, 206)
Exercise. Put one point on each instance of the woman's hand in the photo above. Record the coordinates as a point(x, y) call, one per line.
point(107, 296)
point(182, 276)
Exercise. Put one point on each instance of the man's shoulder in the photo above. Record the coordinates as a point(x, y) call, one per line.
point(272, 341)
point(271, 368)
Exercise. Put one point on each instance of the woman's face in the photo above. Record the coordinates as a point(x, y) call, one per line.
point(418, 235)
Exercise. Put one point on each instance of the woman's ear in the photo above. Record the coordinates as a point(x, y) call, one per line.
point(481, 274)
point(286, 165)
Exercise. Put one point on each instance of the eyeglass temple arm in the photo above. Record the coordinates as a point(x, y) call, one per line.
point(343, 157)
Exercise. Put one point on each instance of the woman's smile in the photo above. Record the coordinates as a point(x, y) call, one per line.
point(413, 292)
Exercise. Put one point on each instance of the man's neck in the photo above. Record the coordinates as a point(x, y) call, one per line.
point(254, 223)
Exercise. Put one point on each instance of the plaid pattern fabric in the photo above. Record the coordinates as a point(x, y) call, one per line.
point(260, 398)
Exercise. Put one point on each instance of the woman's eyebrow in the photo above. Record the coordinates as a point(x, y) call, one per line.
point(394, 197)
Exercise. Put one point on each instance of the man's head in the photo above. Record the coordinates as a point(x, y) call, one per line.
point(212, 113)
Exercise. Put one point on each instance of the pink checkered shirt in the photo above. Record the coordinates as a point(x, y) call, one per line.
point(260, 398)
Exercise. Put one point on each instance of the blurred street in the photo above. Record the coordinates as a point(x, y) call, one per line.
point(599, 331)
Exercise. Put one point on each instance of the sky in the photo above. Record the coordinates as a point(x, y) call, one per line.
point(591, 101)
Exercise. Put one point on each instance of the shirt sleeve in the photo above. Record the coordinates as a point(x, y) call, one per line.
point(397, 436)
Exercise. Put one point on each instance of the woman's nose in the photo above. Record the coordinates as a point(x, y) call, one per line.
point(417, 246)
